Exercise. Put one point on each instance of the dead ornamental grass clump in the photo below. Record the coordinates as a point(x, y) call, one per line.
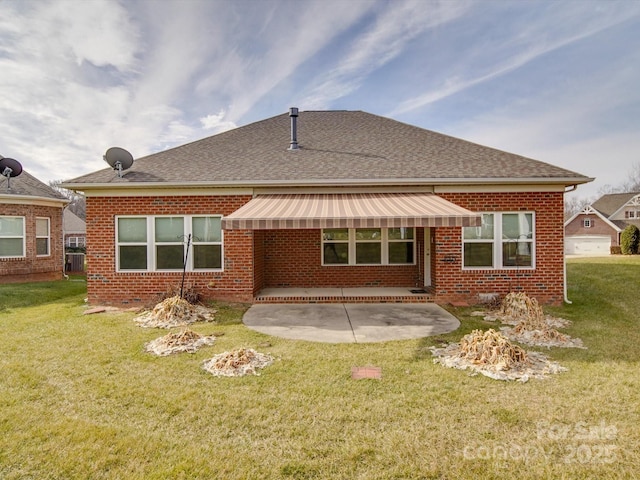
point(532, 327)
point(174, 312)
point(177, 342)
point(237, 363)
point(491, 348)
point(520, 308)
point(492, 354)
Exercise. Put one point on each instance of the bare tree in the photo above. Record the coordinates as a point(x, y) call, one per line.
point(76, 201)
point(632, 184)
point(573, 205)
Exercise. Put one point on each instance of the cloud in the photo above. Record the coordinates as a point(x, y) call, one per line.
point(290, 35)
point(573, 129)
point(216, 123)
point(384, 40)
point(53, 107)
point(79, 77)
point(529, 38)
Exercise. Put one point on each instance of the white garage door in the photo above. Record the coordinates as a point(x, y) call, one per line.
point(587, 245)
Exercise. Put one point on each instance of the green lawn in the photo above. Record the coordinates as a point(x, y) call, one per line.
point(80, 399)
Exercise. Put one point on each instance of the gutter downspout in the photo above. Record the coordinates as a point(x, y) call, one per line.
point(64, 256)
point(566, 300)
point(564, 258)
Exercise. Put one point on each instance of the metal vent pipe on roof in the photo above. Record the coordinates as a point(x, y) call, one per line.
point(293, 113)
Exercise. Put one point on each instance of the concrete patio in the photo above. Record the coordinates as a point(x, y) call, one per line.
point(350, 322)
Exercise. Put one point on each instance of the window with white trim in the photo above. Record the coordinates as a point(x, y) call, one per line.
point(76, 242)
point(159, 243)
point(504, 240)
point(43, 237)
point(368, 246)
point(12, 237)
point(587, 223)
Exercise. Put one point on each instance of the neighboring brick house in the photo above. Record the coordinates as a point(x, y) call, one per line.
point(31, 246)
point(596, 229)
point(354, 200)
point(75, 241)
point(75, 231)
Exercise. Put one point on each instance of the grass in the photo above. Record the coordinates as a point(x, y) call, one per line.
point(80, 399)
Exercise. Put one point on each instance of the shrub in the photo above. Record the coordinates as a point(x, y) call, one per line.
point(616, 250)
point(629, 240)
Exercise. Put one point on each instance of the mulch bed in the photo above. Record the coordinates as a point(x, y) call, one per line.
point(493, 355)
point(237, 363)
point(178, 342)
point(174, 312)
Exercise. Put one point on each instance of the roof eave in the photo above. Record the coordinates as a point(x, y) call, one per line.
point(334, 182)
point(32, 200)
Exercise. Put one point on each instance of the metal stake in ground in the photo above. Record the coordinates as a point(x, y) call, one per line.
point(184, 264)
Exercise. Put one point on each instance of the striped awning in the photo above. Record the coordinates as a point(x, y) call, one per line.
point(349, 210)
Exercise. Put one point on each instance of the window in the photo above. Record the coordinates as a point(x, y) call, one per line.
point(207, 242)
point(12, 237)
point(75, 242)
point(503, 240)
point(587, 223)
point(632, 214)
point(42, 237)
point(368, 246)
point(159, 243)
point(169, 243)
point(401, 242)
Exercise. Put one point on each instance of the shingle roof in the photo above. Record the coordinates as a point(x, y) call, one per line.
point(71, 223)
point(612, 202)
point(335, 147)
point(29, 186)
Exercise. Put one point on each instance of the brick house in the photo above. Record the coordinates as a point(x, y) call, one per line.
point(326, 199)
point(596, 229)
point(75, 231)
point(31, 245)
point(75, 241)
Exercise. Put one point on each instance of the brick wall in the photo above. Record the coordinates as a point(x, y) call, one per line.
point(545, 282)
point(106, 286)
point(258, 261)
point(293, 258)
point(599, 227)
point(31, 267)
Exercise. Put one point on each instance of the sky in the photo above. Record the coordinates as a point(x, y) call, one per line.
point(558, 81)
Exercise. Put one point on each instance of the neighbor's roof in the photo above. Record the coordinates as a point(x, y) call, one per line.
point(71, 223)
point(612, 202)
point(336, 148)
point(26, 185)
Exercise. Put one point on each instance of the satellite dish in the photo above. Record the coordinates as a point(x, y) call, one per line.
point(10, 167)
point(119, 159)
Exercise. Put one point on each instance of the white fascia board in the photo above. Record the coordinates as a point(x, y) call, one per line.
point(439, 182)
point(31, 200)
point(141, 191)
point(497, 188)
